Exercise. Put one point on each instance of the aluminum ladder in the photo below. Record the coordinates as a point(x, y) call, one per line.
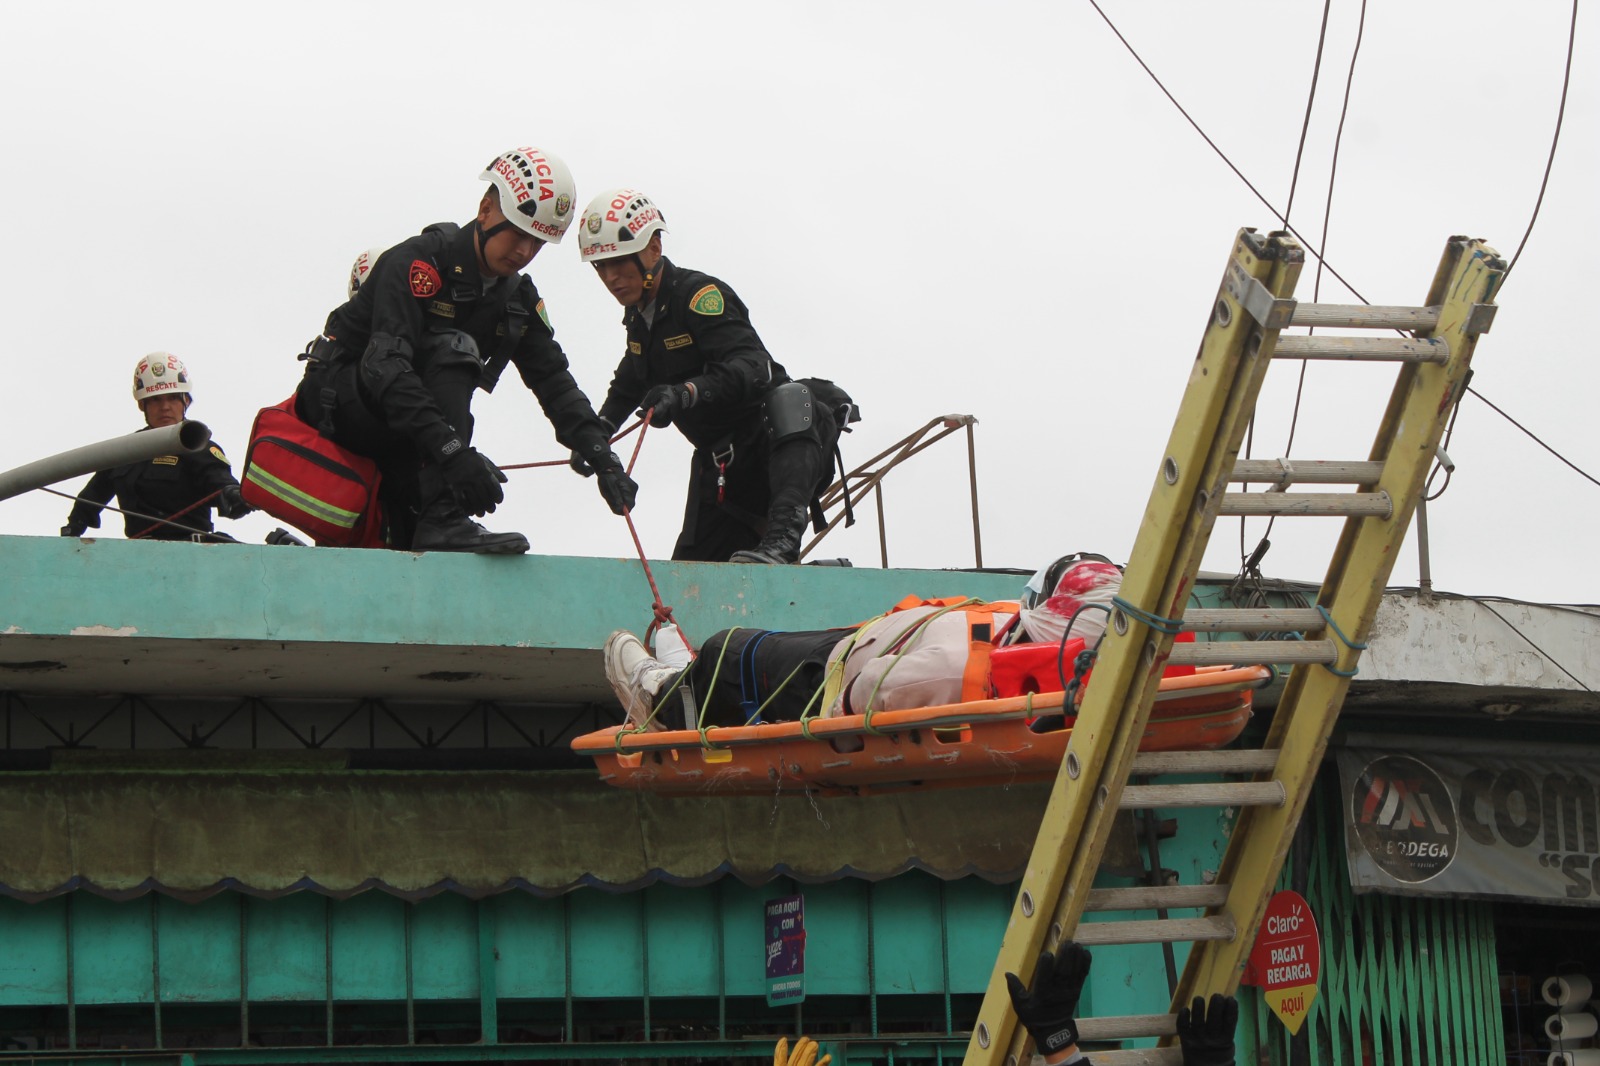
point(1434, 351)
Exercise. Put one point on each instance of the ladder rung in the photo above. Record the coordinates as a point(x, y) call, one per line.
point(1210, 794)
point(1144, 1056)
point(1157, 931)
point(1126, 1027)
point(1246, 652)
point(1365, 349)
point(1252, 620)
point(1363, 316)
point(1155, 897)
point(1296, 504)
point(1226, 761)
point(1308, 471)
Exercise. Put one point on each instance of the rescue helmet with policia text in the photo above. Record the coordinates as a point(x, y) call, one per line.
point(361, 268)
point(619, 223)
point(536, 192)
point(161, 374)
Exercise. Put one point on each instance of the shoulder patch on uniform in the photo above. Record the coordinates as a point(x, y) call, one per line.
point(635, 348)
point(708, 301)
point(680, 341)
point(424, 278)
point(544, 316)
point(216, 451)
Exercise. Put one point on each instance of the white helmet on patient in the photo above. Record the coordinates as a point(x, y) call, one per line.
point(1075, 590)
point(361, 268)
point(536, 191)
point(160, 374)
point(619, 223)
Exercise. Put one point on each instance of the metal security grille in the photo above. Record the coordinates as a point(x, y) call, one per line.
point(1406, 981)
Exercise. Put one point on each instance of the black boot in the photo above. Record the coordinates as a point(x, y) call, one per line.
point(443, 527)
point(796, 466)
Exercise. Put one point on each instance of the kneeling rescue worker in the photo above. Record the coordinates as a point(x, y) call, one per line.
point(161, 497)
point(437, 316)
point(761, 440)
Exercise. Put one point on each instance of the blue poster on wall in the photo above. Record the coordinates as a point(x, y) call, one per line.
point(786, 950)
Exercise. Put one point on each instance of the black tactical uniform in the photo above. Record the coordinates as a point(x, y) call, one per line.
point(698, 333)
point(392, 375)
point(161, 488)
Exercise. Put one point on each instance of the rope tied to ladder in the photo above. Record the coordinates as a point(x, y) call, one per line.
point(1346, 641)
point(1170, 626)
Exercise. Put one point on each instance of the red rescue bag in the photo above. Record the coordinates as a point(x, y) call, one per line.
point(295, 474)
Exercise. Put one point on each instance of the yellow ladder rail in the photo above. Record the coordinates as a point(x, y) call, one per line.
point(1254, 303)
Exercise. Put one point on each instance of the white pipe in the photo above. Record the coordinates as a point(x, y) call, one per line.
point(1569, 992)
point(1564, 1027)
point(132, 448)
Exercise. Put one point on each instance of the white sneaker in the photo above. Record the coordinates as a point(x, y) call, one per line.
point(635, 677)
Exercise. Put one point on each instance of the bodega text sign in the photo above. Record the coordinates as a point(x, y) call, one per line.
point(1287, 959)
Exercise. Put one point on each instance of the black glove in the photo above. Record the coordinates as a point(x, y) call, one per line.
point(230, 502)
point(72, 529)
point(663, 403)
point(579, 460)
point(1206, 1035)
point(473, 479)
point(616, 487)
point(1046, 1008)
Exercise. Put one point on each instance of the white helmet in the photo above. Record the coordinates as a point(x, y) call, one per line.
point(618, 223)
point(159, 374)
point(361, 268)
point(1075, 590)
point(536, 191)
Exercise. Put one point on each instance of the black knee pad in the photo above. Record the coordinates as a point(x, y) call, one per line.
point(790, 412)
point(448, 350)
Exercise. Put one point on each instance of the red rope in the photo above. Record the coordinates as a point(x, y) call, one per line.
point(176, 514)
point(662, 612)
point(564, 462)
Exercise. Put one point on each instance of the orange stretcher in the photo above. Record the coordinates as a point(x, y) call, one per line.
point(992, 741)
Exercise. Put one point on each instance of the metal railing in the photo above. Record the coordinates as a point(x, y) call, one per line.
point(867, 478)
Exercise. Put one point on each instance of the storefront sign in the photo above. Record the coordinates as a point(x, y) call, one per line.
point(1287, 959)
point(786, 950)
point(1507, 821)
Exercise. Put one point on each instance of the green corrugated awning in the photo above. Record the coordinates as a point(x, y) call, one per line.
point(193, 834)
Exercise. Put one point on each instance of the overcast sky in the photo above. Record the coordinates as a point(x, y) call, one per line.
point(945, 207)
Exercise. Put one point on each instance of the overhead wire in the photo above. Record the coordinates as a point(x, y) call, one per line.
point(1316, 250)
point(1246, 560)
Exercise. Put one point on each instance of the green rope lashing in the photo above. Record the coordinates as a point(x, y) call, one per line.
point(1170, 626)
point(1346, 641)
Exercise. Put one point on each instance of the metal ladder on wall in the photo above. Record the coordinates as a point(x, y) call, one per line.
point(1201, 459)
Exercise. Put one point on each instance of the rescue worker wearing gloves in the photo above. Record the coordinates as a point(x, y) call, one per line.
point(167, 487)
point(1047, 1007)
point(437, 316)
point(761, 441)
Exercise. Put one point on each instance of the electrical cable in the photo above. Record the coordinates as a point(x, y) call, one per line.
point(1561, 111)
point(1532, 644)
point(1322, 262)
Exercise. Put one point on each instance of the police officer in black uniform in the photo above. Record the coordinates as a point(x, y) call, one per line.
point(443, 313)
point(161, 497)
point(693, 359)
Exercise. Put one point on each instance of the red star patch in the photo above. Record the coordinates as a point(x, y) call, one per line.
point(424, 278)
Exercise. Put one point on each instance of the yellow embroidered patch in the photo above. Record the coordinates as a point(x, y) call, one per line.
point(708, 301)
point(680, 341)
point(442, 308)
point(218, 453)
point(634, 348)
point(543, 317)
point(165, 460)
